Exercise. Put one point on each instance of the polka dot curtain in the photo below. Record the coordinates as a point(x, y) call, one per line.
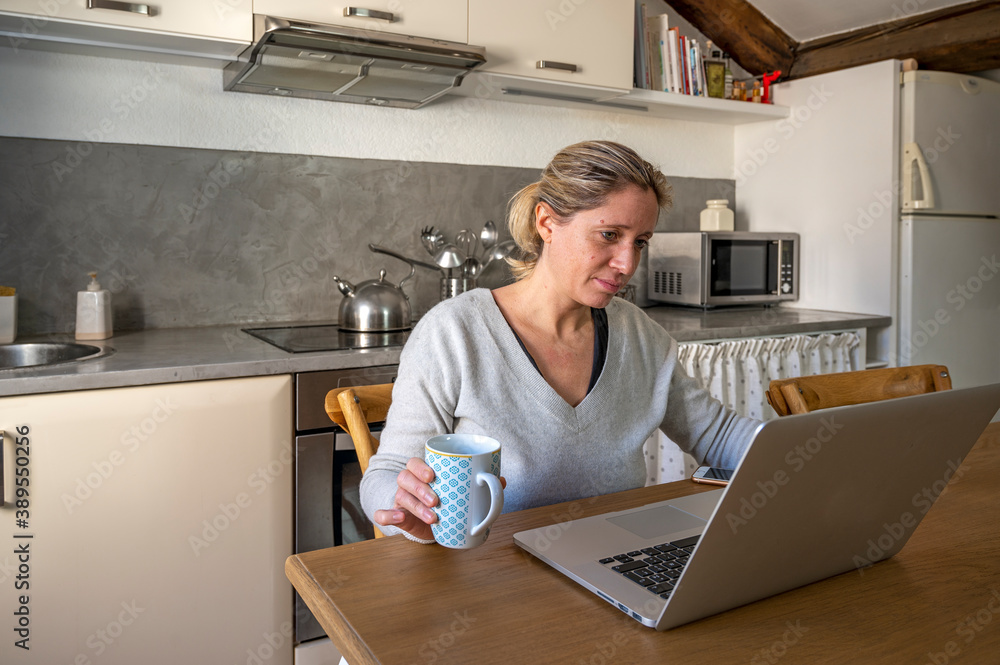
point(738, 372)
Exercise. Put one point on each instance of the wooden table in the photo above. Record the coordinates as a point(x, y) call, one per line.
point(938, 601)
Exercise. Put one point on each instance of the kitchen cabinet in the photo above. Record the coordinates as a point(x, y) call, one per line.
point(153, 524)
point(221, 28)
point(597, 39)
point(435, 19)
point(580, 44)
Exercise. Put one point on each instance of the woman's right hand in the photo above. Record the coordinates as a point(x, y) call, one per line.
point(411, 510)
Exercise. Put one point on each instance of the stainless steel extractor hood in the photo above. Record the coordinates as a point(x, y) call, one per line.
point(316, 61)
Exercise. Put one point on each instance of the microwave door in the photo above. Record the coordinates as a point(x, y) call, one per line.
point(743, 270)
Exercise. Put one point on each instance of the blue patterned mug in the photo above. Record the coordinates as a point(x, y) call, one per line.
point(467, 483)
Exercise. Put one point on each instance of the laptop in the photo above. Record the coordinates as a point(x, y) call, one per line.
point(814, 495)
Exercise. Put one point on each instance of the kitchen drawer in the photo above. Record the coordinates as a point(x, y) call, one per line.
point(594, 37)
point(220, 19)
point(435, 19)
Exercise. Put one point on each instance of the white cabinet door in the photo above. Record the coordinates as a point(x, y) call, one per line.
point(154, 524)
point(219, 19)
point(435, 19)
point(595, 38)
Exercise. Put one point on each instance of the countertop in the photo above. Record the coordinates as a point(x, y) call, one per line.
point(695, 325)
point(195, 354)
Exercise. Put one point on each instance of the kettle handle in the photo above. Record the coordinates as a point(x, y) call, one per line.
point(410, 262)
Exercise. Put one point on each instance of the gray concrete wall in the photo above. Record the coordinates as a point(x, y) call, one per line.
point(186, 237)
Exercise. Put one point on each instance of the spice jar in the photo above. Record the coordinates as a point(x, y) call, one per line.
point(717, 216)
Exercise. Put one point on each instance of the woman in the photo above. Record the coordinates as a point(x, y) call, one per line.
point(569, 379)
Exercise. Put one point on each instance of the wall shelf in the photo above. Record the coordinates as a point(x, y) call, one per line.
point(649, 103)
point(701, 109)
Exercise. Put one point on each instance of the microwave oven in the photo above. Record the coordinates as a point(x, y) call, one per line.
point(719, 268)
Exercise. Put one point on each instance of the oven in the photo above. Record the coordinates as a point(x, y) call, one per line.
point(327, 475)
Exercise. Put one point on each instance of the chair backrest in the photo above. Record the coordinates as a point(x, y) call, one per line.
point(353, 409)
point(822, 391)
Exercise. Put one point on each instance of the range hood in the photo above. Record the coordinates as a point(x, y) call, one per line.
point(317, 61)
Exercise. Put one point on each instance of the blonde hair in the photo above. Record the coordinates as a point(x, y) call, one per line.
point(580, 177)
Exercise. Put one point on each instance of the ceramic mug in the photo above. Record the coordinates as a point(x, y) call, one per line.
point(467, 483)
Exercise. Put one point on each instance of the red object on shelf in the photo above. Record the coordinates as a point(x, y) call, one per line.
point(768, 80)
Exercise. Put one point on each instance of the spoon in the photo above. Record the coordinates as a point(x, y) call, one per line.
point(500, 252)
point(488, 236)
point(472, 267)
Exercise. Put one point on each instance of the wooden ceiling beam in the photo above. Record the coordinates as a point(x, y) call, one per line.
point(961, 38)
point(742, 31)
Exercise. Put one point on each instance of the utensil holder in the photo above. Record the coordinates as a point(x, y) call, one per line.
point(453, 286)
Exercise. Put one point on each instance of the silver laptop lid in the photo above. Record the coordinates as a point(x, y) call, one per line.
point(827, 492)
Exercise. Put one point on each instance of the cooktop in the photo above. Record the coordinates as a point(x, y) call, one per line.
point(303, 339)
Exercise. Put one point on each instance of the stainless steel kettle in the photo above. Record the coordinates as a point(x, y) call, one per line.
point(375, 305)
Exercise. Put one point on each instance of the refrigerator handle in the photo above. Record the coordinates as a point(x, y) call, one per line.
point(913, 155)
point(2, 438)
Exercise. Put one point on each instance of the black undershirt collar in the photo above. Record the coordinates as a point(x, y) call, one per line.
point(600, 318)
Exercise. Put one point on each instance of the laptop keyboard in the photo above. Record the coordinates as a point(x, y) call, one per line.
point(655, 568)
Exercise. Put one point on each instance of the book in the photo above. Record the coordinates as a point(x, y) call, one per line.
point(641, 59)
point(639, 52)
point(696, 69)
point(683, 62)
point(663, 37)
point(653, 57)
point(701, 72)
point(673, 50)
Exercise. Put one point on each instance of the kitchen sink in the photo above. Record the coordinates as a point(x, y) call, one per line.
point(14, 356)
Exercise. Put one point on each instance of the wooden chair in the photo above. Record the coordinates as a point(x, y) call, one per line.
point(353, 409)
point(822, 391)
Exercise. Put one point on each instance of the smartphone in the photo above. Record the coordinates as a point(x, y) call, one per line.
point(710, 475)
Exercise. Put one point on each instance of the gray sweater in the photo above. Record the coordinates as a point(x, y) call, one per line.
point(462, 370)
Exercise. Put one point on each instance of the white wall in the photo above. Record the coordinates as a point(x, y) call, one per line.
point(829, 172)
point(97, 99)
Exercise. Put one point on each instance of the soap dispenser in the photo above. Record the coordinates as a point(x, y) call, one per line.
point(93, 311)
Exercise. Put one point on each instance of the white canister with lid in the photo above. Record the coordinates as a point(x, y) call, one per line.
point(8, 315)
point(93, 311)
point(717, 216)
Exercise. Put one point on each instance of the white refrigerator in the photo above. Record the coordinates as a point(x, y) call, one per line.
point(949, 242)
point(892, 180)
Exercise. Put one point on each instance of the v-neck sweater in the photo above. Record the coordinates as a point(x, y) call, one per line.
point(462, 370)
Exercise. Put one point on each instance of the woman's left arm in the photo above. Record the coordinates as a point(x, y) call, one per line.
point(710, 432)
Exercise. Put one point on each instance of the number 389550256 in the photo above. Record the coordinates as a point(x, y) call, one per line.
point(22, 471)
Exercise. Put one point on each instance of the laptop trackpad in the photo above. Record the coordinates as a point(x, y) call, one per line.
point(657, 521)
